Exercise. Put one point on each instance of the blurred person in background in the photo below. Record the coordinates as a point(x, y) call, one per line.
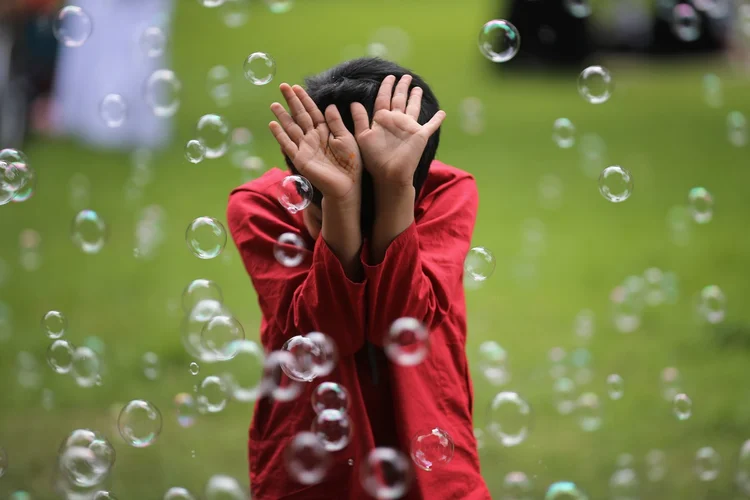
point(117, 58)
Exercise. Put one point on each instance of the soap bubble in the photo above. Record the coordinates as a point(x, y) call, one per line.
point(615, 184)
point(431, 448)
point(509, 418)
point(221, 487)
point(89, 231)
point(235, 12)
point(104, 495)
point(195, 151)
point(479, 264)
point(307, 461)
point(588, 411)
point(178, 493)
point(85, 366)
point(86, 458)
point(682, 406)
point(595, 84)
point(153, 41)
point(54, 324)
point(623, 484)
point(737, 128)
point(493, 362)
point(707, 464)
point(139, 423)
point(386, 473)
point(565, 394)
point(712, 304)
point(259, 68)
point(186, 409)
point(578, 8)
point(113, 110)
point(564, 133)
point(330, 396)
point(219, 335)
point(615, 386)
point(499, 41)
point(213, 132)
point(670, 383)
point(60, 356)
point(564, 490)
point(407, 342)
point(275, 367)
point(289, 250)
point(294, 192)
point(162, 93)
point(206, 237)
point(201, 290)
point(220, 85)
point(686, 23)
point(194, 368)
point(701, 204)
point(314, 355)
point(213, 394)
point(151, 367)
point(333, 429)
point(243, 373)
point(72, 26)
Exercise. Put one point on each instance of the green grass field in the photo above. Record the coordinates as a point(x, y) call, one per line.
point(656, 124)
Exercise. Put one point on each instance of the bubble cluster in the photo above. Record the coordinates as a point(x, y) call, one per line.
point(407, 342)
point(595, 84)
point(139, 423)
point(431, 448)
point(499, 41)
point(206, 237)
point(259, 68)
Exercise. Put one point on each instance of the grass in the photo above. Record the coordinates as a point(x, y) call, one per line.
point(656, 125)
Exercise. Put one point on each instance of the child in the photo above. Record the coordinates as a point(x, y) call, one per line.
point(387, 233)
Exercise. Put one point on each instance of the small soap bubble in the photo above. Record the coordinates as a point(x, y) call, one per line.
point(72, 26)
point(153, 41)
point(686, 23)
point(195, 151)
point(151, 368)
point(289, 250)
point(595, 84)
point(85, 366)
point(737, 129)
point(178, 493)
point(516, 486)
point(432, 448)
point(60, 356)
point(589, 412)
point(407, 342)
point(235, 13)
point(386, 473)
point(615, 386)
point(509, 418)
point(139, 423)
point(194, 368)
point(213, 132)
point(333, 429)
point(54, 324)
point(479, 264)
point(186, 410)
point(701, 205)
point(564, 490)
point(279, 6)
point(294, 192)
point(616, 184)
point(162, 93)
point(221, 487)
point(243, 373)
point(330, 396)
point(564, 133)
point(306, 459)
point(206, 237)
point(201, 292)
point(219, 85)
point(682, 406)
point(578, 8)
point(275, 366)
point(712, 304)
point(220, 333)
point(113, 110)
point(493, 362)
point(213, 394)
point(259, 68)
point(89, 231)
point(707, 464)
point(499, 41)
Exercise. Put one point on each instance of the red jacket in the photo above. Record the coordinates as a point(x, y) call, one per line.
point(421, 276)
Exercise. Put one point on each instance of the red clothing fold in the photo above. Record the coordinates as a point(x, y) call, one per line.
point(420, 276)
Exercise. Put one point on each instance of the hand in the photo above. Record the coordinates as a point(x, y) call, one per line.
point(320, 147)
point(392, 146)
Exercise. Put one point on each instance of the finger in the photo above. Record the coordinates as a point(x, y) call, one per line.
point(415, 103)
point(335, 122)
point(431, 126)
point(398, 103)
point(310, 106)
point(287, 122)
point(287, 145)
point(383, 100)
point(361, 120)
point(296, 109)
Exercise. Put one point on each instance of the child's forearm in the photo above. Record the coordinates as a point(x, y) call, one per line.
point(341, 231)
point(394, 213)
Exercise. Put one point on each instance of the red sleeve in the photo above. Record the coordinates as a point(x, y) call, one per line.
point(423, 266)
point(313, 296)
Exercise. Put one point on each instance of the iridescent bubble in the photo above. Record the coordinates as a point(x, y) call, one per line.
point(275, 367)
point(201, 291)
point(595, 84)
point(113, 110)
point(219, 84)
point(219, 335)
point(712, 304)
point(737, 129)
point(294, 192)
point(235, 13)
point(615, 184)
point(615, 386)
point(54, 324)
point(333, 429)
point(479, 264)
point(509, 418)
point(499, 41)
point(3, 461)
point(686, 23)
point(279, 6)
point(244, 372)
point(289, 250)
point(139, 423)
point(104, 495)
point(178, 493)
point(330, 396)
point(578, 8)
point(431, 448)
point(589, 412)
point(85, 366)
point(742, 474)
point(306, 459)
point(153, 41)
point(186, 409)
point(213, 132)
point(259, 68)
point(86, 458)
point(14, 176)
point(162, 93)
point(206, 237)
point(221, 487)
point(72, 26)
point(701, 204)
point(195, 151)
point(194, 368)
point(493, 362)
point(564, 133)
point(28, 188)
point(151, 368)
point(682, 406)
point(623, 484)
point(565, 395)
point(213, 394)
point(60, 356)
point(564, 490)
point(516, 486)
point(89, 231)
point(707, 464)
point(386, 473)
point(407, 342)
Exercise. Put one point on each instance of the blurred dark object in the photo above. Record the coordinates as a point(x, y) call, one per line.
point(551, 38)
point(28, 51)
point(732, 336)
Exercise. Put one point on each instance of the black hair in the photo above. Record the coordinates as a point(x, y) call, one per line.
point(359, 80)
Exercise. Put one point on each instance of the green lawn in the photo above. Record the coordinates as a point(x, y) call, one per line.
point(656, 125)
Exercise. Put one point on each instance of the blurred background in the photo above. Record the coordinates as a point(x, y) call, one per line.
point(597, 313)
